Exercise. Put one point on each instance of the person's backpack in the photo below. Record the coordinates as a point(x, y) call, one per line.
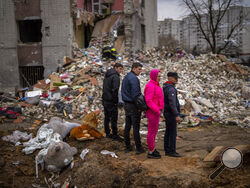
point(141, 103)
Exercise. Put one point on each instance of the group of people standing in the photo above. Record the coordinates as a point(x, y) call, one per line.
point(157, 100)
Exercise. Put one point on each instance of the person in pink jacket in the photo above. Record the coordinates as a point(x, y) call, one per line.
point(155, 101)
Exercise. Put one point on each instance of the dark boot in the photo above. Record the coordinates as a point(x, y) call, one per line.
point(129, 149)
point(118, 138)
point(154, 155)
point(140, 150)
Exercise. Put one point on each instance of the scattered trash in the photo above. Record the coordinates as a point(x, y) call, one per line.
point(16, 163)
point(42, 140)
point(17, 136)
point(33, 93)
point(84, 153)
point(106, 152)
point(10, 112)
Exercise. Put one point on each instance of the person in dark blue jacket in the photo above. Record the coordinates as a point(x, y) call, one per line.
point(130, 91)
point(171, 114)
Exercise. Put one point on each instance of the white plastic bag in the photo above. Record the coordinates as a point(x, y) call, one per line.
point(106, 152)
point(84, 153)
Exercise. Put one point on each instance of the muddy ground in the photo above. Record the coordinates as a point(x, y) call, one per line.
point(130, 170)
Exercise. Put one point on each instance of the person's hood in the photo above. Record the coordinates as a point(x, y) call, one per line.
point(110, 72)
point(154, 74)
point(168, 84)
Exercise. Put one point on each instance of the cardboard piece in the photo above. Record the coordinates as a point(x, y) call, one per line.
point(54, 78)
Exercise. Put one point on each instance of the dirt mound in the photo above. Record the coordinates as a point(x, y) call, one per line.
point(129, 170)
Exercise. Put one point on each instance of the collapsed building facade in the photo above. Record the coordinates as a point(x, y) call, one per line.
point(37, 34)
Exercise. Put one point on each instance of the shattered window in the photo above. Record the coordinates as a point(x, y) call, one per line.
point(30, 30)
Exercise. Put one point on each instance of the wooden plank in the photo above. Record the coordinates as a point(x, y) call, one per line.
point(243, 148)
point(213, 155)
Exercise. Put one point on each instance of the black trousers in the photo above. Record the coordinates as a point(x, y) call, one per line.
point(111, 114)
point(170, 134)
point(133, 118)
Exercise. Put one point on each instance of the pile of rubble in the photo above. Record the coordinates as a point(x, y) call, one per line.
point(210, 87)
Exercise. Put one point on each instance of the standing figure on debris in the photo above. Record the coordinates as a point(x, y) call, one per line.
point(171, 114)
point(109, 53)
point(111, 84)
point(155, 101)
point(130, 91)
point(106, 52)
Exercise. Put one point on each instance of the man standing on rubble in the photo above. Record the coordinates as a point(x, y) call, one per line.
point(171, 114)
point(111, 85)
point(130, 91)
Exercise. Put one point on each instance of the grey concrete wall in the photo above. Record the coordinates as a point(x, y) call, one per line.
point(150, 21)
point(57, 29)
point(246, 32)
point(9, 74)
point(137, 38)
point(246, 40)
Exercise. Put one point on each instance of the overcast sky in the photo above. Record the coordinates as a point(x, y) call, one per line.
point(173, 9)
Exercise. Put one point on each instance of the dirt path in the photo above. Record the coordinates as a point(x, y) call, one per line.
point(130, 170)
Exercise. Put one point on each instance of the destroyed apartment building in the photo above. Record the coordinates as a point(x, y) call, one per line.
point(37, 34)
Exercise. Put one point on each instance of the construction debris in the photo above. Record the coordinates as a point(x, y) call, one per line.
point(206, 85)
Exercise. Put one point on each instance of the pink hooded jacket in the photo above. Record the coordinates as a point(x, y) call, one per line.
point(154, 95)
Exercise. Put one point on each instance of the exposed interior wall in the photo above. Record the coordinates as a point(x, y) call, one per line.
point(151, 24)
point(80, 4)
point(104, 26)
point(79, 35)
point(118, 5)
point(8, 46)
point(57, 29)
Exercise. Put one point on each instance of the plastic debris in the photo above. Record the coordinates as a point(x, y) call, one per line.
point(84, 153)
point(17, 136)
point(43, 139)
point(106, 152)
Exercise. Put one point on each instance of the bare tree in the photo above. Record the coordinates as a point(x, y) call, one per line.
point(167, 41)
point(209, 15)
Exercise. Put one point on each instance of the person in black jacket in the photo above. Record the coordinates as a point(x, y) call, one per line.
point(171, 114)
point(111, 84)
point(130, 91)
